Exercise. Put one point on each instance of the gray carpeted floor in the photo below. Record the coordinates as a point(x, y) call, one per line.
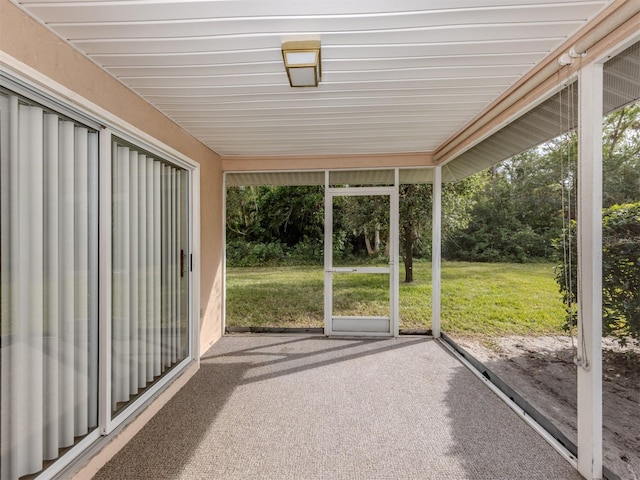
point(308, 407)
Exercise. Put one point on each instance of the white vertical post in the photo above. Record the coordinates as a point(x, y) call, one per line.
point(395, 254)
point(436, 251)
point(224, 264)
point(328, 255)
point(193, 187)
point(590, 273)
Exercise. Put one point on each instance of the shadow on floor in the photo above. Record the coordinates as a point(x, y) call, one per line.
point(308, 407)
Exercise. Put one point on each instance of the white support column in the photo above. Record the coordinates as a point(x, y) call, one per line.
point(328, 255)
point(590, 273)
point(436, 251)
point(395, 254)
point(224, 262)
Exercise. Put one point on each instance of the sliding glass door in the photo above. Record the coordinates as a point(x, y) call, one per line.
point(81, 350)
point(149, 329)
point(49, 290)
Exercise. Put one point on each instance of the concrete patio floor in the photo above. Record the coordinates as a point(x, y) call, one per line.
point(310, 407)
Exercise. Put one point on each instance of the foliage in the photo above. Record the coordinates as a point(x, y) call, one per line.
point(362, 224)
point(272, 225)
point(621, 156)
point(518, 211)
point(415, 208)
point(495, 232)
point(245, 254)
point(263, 214)
point(620, 272)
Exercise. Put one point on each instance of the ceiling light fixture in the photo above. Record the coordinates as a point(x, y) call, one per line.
point(302, 60)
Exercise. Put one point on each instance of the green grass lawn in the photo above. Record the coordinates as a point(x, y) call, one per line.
point(477, 298)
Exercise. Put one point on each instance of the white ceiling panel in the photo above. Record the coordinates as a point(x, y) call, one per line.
point(219, 43)
point(397, 76)
point(336, 65)
point(203, 27)
point(537, 46)
point(75, 11)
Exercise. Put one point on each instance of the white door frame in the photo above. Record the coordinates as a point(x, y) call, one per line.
point(370, 325)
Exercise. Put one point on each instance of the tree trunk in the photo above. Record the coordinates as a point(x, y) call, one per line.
point(367, 242)
point(376, 241)
point(408, 255)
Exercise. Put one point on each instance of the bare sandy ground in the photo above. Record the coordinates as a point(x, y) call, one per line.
point(541, 369)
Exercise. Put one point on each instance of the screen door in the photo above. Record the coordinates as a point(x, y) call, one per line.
point(361, 268)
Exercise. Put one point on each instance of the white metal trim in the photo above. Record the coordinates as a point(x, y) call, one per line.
point(328, 255)
point(360, 269)
point(224, 253)
point(193, 184)
point(436, 252)
point(68, 457)
point(338, 333)
point(394, 254)
point(391, 270)
point(359, 191)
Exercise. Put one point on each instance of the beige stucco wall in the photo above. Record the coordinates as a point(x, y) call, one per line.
point(34, 45)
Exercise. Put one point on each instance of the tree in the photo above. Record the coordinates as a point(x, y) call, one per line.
point(621, 156)
point(366, 216)
point(415, 207)
point(242, 212)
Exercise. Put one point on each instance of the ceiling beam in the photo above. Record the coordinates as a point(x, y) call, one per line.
point(387, 160)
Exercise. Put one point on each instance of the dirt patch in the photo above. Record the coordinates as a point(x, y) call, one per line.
point(542, 370)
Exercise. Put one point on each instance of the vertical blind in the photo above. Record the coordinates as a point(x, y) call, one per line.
point(149, 322)
point(49, 331)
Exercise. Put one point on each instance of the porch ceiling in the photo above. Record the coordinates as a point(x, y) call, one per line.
point(399, 76)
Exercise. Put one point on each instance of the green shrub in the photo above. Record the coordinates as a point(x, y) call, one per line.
point(620, 272)
point(245, 254)
point(309, 251)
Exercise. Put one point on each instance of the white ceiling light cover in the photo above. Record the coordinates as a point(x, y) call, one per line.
point(302, 62)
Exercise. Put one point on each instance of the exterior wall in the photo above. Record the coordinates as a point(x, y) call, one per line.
point(47, 60)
